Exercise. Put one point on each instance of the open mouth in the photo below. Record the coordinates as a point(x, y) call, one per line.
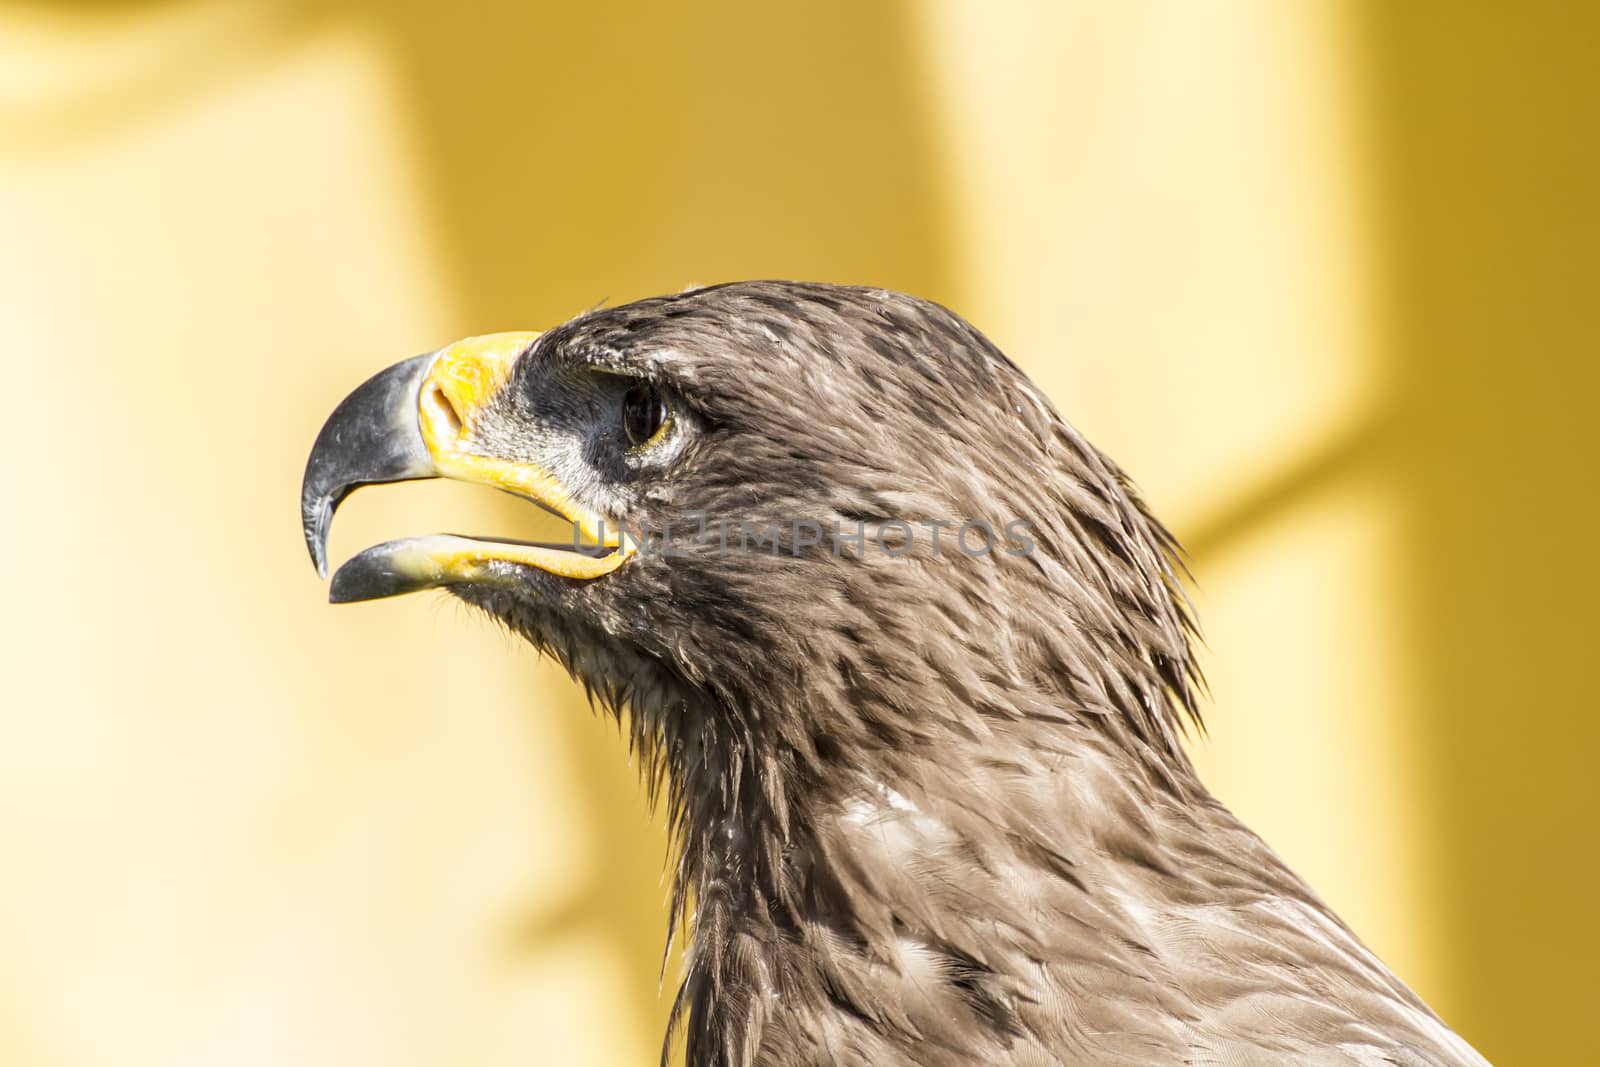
point(415, 420)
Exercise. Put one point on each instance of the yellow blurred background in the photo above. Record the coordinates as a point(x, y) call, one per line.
point(1320, 275)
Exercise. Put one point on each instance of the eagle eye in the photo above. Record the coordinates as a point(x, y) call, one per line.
point(644, 413)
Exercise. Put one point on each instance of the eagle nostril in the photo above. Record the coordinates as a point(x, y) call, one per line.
point(444, 410)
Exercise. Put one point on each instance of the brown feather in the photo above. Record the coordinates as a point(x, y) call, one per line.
point(931, 810)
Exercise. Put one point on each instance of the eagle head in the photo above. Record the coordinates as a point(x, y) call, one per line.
point(801, 512)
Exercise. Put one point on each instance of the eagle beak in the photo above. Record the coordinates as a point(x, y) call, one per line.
point(417, 420)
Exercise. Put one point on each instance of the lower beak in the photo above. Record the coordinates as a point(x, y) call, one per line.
point(416, 420)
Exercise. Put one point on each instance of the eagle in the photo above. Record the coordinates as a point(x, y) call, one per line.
point(910, 665)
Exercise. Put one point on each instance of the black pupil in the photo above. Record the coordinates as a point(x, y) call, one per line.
point(642, 413)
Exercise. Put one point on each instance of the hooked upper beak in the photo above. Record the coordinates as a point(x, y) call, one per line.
point(417, 420)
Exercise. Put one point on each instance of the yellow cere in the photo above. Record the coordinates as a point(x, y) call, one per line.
point(462, 378)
